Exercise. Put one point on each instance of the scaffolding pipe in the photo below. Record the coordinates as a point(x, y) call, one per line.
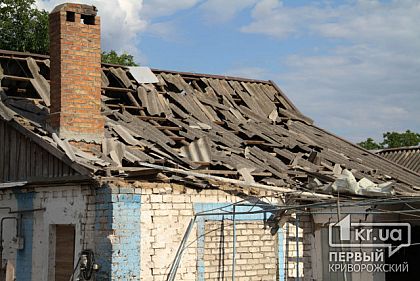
point(234, 244)
point(408, 212)
point(297, 247)
point(181, 248)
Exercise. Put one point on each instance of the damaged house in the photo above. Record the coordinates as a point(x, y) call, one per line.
point(116, 173)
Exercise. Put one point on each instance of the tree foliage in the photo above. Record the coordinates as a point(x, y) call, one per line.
point(370, 144)
point(23, 27)
point(123, 59)
point(395, 139)
point(392, 140)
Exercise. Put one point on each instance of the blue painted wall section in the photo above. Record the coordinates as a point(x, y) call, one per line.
point(126, 225)
point(24, 256)
point(118, 224)
point(210, 208)
point(103, 228)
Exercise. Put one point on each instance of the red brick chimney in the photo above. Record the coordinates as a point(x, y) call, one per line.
point(75, 73)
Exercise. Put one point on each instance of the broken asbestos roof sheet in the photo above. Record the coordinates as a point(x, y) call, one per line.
point(222, 126)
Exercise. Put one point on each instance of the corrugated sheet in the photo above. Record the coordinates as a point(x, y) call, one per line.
point(220, 125)
point(408, 157)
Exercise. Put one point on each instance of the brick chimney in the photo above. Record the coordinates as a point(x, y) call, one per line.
point(75, 73)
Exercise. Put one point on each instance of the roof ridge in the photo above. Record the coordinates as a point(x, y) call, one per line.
point(398, 148)
point(196, 74)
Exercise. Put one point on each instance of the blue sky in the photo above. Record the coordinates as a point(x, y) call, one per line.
point(352, 66)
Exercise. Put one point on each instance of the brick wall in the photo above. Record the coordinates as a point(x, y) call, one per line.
point(75, 72)
point(256, 251)
point(135, 231)
point(297, 244)
point(165, 214)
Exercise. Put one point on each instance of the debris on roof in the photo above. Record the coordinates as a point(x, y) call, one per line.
point(239, 129)
point(143, 74)
point(346, 183)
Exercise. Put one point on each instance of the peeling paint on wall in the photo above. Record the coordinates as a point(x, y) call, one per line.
point(24, 256)
point(117, 228)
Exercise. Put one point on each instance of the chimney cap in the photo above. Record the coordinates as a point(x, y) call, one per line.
point(77, 8)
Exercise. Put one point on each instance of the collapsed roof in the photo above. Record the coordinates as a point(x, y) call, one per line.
point(222, 126)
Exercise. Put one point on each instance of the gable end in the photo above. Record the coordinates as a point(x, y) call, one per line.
point(21, 159)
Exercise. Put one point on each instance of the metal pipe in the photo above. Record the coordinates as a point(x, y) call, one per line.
point(369, 212)
point(1, 243)
point(297, 247)
point(27, 211)
point(181, 248)
point(297, 210)
point(234, 244)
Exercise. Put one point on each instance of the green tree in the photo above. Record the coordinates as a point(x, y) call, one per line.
point(123, 59)
point(392, 140)
point(23, 27)
point(370, 144)
point(395, 139)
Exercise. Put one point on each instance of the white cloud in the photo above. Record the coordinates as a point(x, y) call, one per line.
point(159, 8)
point(374, 89)
point(367, 84)
point(221, 11)
point(271, 17)
point(124, 21)
point(121, 22)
